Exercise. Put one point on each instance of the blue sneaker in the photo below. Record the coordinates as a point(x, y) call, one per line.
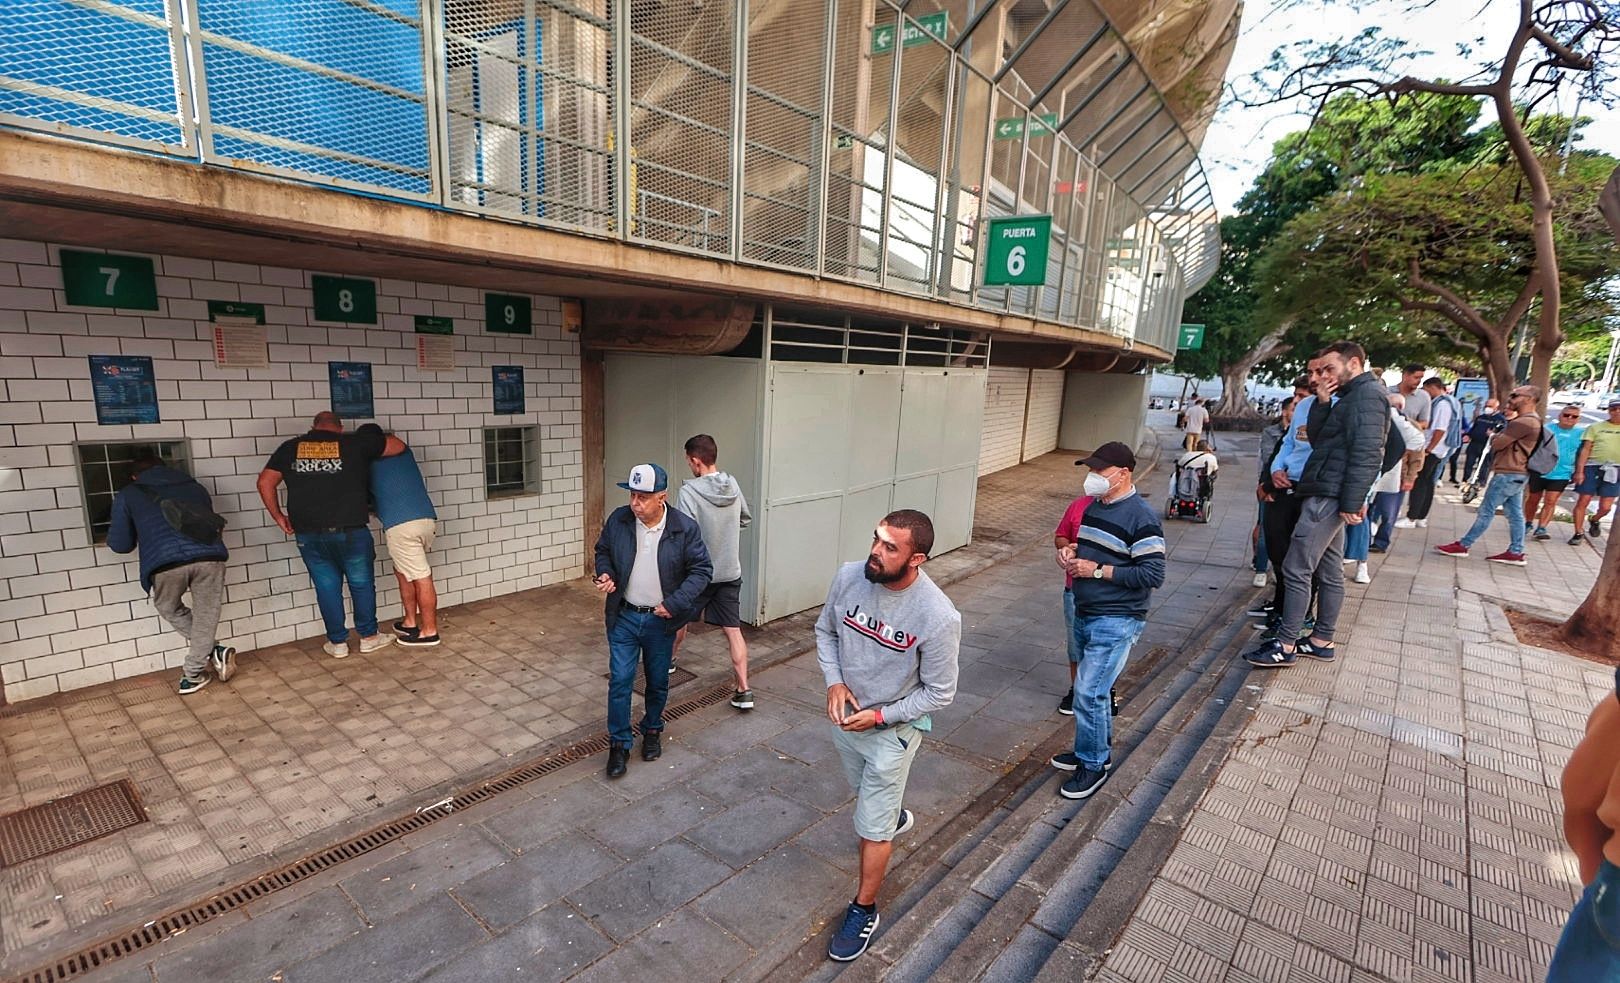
point(1322, 653)
point(854, 935)
point(1269, 655)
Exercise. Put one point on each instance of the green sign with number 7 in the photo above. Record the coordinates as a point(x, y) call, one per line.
point(109, 280)
point(507, 314)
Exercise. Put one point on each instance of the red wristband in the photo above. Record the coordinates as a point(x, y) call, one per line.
point(877, 715)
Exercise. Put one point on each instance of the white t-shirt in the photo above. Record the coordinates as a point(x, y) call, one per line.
point(1200, 459)
point(1197, 416)
point(1440, 422)
point(645, 590)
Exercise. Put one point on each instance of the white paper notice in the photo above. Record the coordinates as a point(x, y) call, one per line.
point(239, 343)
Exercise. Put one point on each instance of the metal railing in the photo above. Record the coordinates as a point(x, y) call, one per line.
point(780, 133)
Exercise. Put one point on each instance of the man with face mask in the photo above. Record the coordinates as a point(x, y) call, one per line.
point(887, 643)
point(1347, 427)
point(1117, 559)
point(1510, 458)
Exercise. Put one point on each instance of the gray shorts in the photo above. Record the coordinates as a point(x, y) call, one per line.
point(877, 763)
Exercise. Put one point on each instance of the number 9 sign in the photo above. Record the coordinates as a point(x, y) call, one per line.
point(508, 314)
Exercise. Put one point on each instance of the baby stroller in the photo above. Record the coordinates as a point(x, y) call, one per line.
point(1191, 491)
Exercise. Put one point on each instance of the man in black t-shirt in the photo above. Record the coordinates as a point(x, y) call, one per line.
point(328, 478)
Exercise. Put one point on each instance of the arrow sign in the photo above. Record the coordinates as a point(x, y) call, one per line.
point(916, 32)
point(1012, 127)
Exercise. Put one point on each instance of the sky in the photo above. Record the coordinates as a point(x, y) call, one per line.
point(1239, 142)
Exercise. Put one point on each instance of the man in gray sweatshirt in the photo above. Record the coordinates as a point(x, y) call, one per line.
point(887, 643)
point(714, 500)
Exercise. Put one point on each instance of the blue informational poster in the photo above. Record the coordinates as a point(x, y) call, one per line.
point(125, 389)
point(1472, 394)
point(351, 390)
point(508, 388)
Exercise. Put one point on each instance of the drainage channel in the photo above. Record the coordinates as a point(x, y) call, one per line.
point(99, 954)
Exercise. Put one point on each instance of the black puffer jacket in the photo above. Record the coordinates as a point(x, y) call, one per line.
point(1347, 443)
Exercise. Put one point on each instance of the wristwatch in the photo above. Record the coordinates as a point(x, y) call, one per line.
point(1096, 573)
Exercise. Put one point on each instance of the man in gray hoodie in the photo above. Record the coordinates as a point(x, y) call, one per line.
point(714, 500)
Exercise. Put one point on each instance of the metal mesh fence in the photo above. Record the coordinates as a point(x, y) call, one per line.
point(106, 72)
point(837, 137)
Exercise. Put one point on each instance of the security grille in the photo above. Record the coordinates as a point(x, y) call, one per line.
point(511, 461)
point(104, 469)
point(781, 162)
point(105, 71)
point(817, 336)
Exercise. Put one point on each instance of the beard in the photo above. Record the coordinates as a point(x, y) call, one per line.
point(877, 575)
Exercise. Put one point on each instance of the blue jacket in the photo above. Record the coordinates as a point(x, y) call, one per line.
point(683, 563)
point(137, 520)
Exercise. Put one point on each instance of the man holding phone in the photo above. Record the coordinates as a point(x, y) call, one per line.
point(887, 642)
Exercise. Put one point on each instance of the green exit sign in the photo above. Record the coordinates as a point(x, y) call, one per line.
point(1016, 253)
point(1190, 337)
point(1012, 127)
point(916, 32)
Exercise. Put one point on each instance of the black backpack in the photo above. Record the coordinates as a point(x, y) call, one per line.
point(193, 520)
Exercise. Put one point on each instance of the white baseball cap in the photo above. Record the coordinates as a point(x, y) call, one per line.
point(647, 478)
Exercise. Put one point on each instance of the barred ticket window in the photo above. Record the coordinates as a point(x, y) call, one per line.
point(105, 468)
point(511, 461)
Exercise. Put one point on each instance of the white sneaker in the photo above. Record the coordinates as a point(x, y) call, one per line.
point(1260, 580)
point(375, 642)
point(1423, 523)
point(1405, 523)
point(337, 650)
point(1362, 575)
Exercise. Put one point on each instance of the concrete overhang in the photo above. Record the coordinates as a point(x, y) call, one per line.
point(82, 194)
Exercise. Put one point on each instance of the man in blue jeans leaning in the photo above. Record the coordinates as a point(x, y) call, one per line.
point(652, 565)
point(1117, 560)
point(328, 478)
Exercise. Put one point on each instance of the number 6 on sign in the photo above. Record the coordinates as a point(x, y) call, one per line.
point(1016, 251)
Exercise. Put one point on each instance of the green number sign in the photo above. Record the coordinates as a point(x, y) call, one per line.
point(1016, 253)
point(1191, 336)
point(507, 314)
point(340, 298)
point(109, 280)
point(916, 32)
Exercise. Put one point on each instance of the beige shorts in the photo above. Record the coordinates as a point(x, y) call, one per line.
point(408, 545)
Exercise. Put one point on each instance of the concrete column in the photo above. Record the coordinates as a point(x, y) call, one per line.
point(1103, 406)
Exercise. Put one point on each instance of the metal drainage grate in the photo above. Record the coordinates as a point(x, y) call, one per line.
point(98, 954)
point(677, 676)
point(64, 823)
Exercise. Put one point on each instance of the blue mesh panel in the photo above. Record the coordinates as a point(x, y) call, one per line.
point(326, 32)
point(229, 147)
point(50, 43)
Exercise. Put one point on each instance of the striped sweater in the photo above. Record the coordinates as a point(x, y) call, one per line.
point(1126, 535)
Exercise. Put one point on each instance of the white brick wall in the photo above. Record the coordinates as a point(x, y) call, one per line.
point(1045, 409)
point(73, 614)
point(1003, 430)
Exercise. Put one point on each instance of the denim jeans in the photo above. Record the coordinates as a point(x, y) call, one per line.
point(1357, 539)
point(1506, 490)
point(1105, 641)
point(644, 639)
point(1068, 623)
point(331, 558)
point(1589, 949)
point(1385, 511)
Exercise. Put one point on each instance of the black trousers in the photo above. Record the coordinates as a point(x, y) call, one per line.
point(1422, 498)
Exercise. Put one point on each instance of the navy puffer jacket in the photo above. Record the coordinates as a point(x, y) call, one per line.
point(138, 521)
point(1347, 443)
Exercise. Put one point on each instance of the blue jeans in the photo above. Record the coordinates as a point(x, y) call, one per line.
point(1261, 560)
point(644, 639)
point(1068, 623)
point(1105, 641)
point(1506, 490)
point(331, 558)
point(1385, 511)
point(1357, 539)
point(1589, 949)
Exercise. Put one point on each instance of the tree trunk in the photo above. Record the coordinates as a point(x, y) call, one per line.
point(1234, 402)
point(1496, 355)
point(1592, 627)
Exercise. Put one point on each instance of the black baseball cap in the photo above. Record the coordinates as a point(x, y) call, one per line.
point(1110, 455)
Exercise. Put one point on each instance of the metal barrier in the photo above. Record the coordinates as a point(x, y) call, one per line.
point(836, 137)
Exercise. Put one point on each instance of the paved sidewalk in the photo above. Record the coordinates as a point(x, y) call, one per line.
point(1394, 815)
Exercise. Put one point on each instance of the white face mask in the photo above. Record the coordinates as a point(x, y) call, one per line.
point(1096, 485)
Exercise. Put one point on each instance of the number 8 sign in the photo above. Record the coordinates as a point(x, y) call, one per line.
point(1015, 254)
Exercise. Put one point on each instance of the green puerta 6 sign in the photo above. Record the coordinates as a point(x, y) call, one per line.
point(916, 32)
point(1015, 255)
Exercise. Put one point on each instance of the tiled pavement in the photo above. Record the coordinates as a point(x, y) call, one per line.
point(1394, 815)
point(301, 750)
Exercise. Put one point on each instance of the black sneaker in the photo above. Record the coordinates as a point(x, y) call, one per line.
point(1269, 655)
point(1084, 783)
point(417, 641)
point(652, 746)
point(743, 699)
point(1541, 534)
point(1066, 705)
point(1271, 623)
point(1265, 610)
point(1577, 539)
point(618, 757)
point(1068, 761)
point(1321, 653)
point(402, 629)
point(854, 935)
point(1593, 527)
point(906, 821)
point(1113, 703)
point(1375, 548)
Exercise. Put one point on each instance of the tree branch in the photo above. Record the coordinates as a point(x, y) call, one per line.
point(1409, 85)
point(1452, 305)
point(1564, 57)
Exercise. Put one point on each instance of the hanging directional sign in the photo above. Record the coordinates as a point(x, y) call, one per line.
point(1016, 254)
point(1012, 127)
point(1190, 337)
point(917, 31)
